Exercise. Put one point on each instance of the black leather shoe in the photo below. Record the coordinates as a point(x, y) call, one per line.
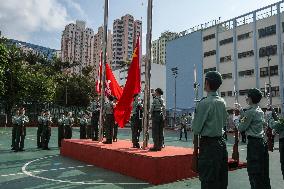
point(107, 142)
point(154, 149)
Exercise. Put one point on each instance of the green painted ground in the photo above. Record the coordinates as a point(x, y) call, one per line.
point(39, 169)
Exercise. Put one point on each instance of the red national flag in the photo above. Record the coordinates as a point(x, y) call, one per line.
point(123, 109)
point(112, 85)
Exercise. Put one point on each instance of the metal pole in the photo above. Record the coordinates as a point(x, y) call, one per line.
point(66, 93)
point(147, 76)
point(269, 81)
point(175, 113)
point(101, 122)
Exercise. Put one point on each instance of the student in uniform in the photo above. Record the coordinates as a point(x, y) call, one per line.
point(209, 120)
point(252, 122)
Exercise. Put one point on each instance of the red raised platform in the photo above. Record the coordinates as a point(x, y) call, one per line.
point(169, 165)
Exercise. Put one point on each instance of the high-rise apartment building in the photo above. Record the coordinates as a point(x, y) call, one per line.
point(76, 45)
point(159, 47)
point(125, 32)
point(97, 47)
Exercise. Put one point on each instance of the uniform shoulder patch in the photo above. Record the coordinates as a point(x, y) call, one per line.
point(243, 119)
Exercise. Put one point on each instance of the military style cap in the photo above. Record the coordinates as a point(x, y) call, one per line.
point(214, 76)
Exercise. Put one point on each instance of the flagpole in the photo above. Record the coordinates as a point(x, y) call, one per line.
point(147, 75)
point(101, 122)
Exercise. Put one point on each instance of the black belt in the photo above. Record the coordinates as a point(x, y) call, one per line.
point(254, 138)
point(206, 138)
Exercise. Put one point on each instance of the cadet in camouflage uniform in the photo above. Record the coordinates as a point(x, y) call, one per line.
point(93, 130)
point(158, 113)
point(83, 124)
point(183, 127)
point(252, 122)
point(209, 120)
point(39, 129)
point(61, 128)
point(115, 128)
point(109, 120)
point(68, 123)
point(46, 130)
point(278, 125)
point(21, 131)
point(15, 123)
point(136, 121)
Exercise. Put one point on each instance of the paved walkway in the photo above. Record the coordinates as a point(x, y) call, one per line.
point(39, 169)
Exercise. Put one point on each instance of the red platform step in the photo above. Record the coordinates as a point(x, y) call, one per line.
point(169, 165)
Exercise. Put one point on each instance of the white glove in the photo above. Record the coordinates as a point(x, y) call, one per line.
point(238, 106)
point(236, 120)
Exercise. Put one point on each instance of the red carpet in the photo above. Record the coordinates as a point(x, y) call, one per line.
point(169, 165)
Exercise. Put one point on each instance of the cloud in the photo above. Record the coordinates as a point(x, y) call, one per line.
point(19, 19)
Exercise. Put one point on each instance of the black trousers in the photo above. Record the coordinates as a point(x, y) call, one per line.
point(14, 128)
point(183, 127)
point(281, 150)
point(45, 136)
point(109, 124)
point(60, 134)
point(95, 126)
point(83, 131)
point(157, 130)
point(115, 131)
point(20, 137)
point(38, 135)
point(136, 128)
point(213, 163)
point(244, 137)
point(258, 163)
point(68, 132)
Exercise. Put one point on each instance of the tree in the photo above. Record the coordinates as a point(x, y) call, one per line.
point(3, 67)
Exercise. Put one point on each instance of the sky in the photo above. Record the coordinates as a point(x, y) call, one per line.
point(41, 22)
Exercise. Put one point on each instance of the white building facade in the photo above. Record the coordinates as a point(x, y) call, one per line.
point(238, 49)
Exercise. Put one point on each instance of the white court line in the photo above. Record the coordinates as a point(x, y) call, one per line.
point(67, 181)
point(44, 170)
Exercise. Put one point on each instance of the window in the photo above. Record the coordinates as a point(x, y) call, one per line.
point(210, 53)
point(227, 76)
point(246, 73)
point(267, 31)
point(209, 69)
point(223, 94)
point(269, 50)
point(275, 91)
point(230, 93)
point(208, 37)
point(226, 41)
point(225, 58)
point(273, 71)
point(245, 54)
point(244, 36)
point(243, 92)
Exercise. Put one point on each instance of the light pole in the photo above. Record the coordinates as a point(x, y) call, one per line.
point(269, 81)
point(66, 92)
point(175, 73)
